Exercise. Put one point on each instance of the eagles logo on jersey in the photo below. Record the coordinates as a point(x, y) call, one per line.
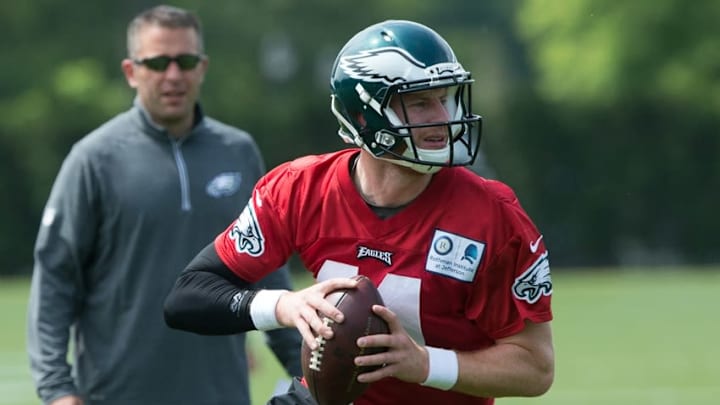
point(534, 282)
point(247, 234)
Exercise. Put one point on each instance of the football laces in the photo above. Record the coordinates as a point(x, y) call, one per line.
point(317, 354)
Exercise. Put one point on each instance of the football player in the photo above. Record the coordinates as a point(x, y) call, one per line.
point(462, 269)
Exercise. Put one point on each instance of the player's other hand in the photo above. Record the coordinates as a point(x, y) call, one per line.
point(300, 309)
point(67, 400)
point(404, 358)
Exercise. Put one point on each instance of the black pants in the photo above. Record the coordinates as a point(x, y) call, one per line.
point(297, 394)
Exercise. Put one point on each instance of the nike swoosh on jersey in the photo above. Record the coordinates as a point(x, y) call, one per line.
point(534, 244)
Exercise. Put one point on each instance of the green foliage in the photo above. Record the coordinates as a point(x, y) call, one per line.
point(629, 100)
point(594, 52)
point(602, 115)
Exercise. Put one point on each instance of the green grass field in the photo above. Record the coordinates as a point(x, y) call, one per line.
point(635, 337)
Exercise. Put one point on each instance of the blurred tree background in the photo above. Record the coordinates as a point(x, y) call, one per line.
point(602, 115)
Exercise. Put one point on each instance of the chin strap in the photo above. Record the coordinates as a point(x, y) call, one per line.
point(420, 168)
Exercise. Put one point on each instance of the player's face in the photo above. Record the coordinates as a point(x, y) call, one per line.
point(169, 95)
point(424, 107)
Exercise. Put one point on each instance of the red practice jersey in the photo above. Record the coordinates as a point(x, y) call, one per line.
point(462, 265)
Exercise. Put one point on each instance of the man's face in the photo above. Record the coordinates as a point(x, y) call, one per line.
point(424, 107)
point(170, 95)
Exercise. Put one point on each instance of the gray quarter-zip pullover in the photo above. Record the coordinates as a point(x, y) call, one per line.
point(130, 207)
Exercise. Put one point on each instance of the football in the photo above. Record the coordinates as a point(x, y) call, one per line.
point(330, 371)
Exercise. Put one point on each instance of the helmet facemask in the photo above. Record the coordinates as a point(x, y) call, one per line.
point(394, 141)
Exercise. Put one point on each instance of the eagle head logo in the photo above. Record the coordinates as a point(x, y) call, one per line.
point(534, 282)
point(391, 65)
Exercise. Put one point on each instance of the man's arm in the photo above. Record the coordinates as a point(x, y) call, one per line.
point(519, 365)
point(208, 298)
point(65, 242)
point(51, 311)
point(285, 343)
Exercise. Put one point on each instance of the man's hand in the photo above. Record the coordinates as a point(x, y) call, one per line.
point(67, 400)
point(300, 309)
point(404, 358)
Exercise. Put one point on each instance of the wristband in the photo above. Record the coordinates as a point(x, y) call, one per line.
point(442, 368)
point(262, 309)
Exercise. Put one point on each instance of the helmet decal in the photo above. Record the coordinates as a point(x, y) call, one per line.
point(391, 65)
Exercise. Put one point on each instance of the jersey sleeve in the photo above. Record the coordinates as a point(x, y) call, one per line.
point(260, 239)
point(519, 286)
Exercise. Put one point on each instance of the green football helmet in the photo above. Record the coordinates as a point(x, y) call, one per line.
point(392, 59)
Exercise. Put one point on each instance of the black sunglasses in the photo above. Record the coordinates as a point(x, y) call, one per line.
point(185, 61)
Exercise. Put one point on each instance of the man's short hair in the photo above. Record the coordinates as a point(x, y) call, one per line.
point(164, 16)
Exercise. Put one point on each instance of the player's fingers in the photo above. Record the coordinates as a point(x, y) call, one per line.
point(398, 364)
point(377, 375)
point(333, 284)
point(375, 341)
point(378, 359)
point(391, 356)
point(388, 316)
point(320, 325)
point(326, 307)
point(307, 335)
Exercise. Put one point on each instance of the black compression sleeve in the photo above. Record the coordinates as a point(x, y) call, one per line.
point(209, 299)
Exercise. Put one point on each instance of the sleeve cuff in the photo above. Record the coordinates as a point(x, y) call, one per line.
point(262, 309)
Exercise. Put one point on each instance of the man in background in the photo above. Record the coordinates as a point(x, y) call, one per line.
point(133, 202)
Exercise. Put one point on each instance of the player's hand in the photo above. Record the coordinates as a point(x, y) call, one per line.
point(300, 309)
point(67, 400)
point(404, 358)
